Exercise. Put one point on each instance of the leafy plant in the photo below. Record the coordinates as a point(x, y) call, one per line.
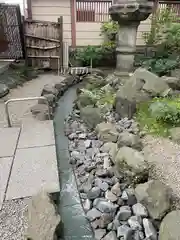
point(109, 31)
point(161, 65)
point(161, 20)
point(159, 115)
point(86, 54)
point(165, 112)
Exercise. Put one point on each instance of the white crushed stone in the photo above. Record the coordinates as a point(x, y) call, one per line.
point(165, 157)
point(13, 221)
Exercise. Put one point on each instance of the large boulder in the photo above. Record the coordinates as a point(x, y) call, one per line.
point(173, 82)
point(170, 226)
point(85, 100)
point(93, 81)
point(142, 86)
point(43, 220)
point(91, 116)
point(111, 148)
point(107, 132)
point(130, 140)
point(154, 195)
point(132, 162)
point(49, 89)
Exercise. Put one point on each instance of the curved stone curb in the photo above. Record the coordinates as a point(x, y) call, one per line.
point(52, 92)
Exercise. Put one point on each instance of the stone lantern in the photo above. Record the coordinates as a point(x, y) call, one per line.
point(128, 14)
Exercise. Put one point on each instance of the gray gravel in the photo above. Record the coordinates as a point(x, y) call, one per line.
point(165, 157)
point(13, 222)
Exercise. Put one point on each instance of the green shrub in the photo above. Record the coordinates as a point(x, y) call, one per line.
point(159, 115)
point(161, 65)
point(165, 112)
point(109, 31)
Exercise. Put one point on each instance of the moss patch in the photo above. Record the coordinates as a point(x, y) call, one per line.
point(149, 123)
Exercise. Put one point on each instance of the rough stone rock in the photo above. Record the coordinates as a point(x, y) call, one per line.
point(130, 140)
point(102, 173)
point(138, 235)
point(43, 220)
point(99, 233)
point(107, 132)
point(94, 193)
point(110, 196)
point(124, 213)
point(111, 148)
point(102, 185)
point(135, 222)
point(105, 219)
point(173, 82)
point(170, 226)
point(130, 159)
point(4, 90)
point(155, 197)
point(141, 86)
point(150, 231)
point(49, 89)
point(40, 111)
point(87, 143)
point(91, 116)
point(153, 85)
point(61, 87)
point(50, 98)
point(93, 214)
point(105, 207)
point(124, 232)
point(175, 73)
point(111, 236)
point(175, 134)
point(98, 72)
point(87, 205)
point(140, 210)
point(128, 195)
point(116, 189)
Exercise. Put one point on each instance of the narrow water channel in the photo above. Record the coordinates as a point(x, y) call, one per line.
point(76, 226)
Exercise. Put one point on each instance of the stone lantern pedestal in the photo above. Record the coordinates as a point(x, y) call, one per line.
point(128, 14)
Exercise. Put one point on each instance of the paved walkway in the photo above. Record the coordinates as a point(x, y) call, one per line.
point(20, 111)
point(26, 156)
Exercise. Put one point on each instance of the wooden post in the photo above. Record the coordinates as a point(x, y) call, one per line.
point(60, 21)
point(153, 22)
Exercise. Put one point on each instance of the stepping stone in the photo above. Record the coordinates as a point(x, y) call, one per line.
point(5, 167)
point(36, 134)
point(8, 141)
point(34, 169)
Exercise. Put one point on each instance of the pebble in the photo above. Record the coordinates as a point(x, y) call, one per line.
point(94, 193)
point(99, 233)
point(93, 214)
point(124, 213)
point(87, 205)
point(140, 210)
point(135, 222)
point(102, 185)
point(87, 143)
point(106, 207)
point(150, 231)
point(124, 232)
point(111, 236)
point(110, 196)
point(116, 189)
point(105, 219)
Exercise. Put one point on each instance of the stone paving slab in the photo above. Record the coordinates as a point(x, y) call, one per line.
point(8, 141)
point(36, 134)
point(34, 169)
point(5, 167)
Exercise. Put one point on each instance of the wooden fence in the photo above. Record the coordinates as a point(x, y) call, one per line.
point(44, 43)
point(11, 32)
